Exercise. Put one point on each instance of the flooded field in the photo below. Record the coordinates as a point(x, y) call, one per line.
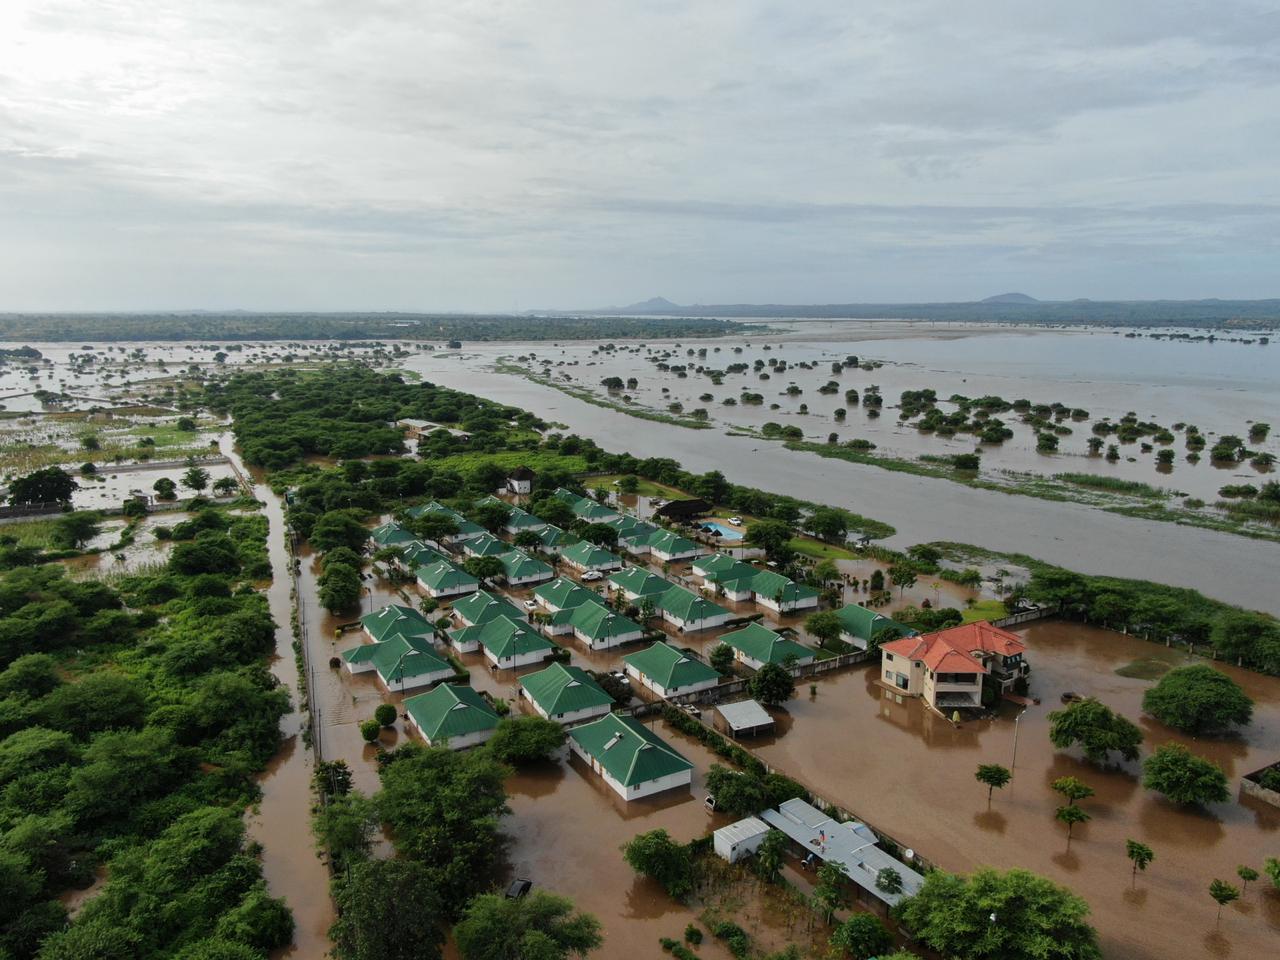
point(1072, 535)
point(910, 773)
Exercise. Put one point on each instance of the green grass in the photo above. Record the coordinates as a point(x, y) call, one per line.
point(30, 533)
point(644, 488)
point(1112, 485)
point(535, 460)
point(821, 551)
point(985, 610)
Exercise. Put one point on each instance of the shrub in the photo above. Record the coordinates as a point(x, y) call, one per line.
point(385, 715)
point(371, 730)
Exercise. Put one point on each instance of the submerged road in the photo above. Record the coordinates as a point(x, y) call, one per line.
point(1231, 568)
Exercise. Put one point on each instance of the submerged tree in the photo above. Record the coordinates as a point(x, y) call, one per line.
point(992, 776)
point(1097, 729)
point(1140, 854)
point(541, 926)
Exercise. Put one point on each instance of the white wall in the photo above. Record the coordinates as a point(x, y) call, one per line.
point(648, 789)
point(424, 680)
point(521, 660)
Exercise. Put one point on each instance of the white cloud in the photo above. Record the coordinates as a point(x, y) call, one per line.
point(324, 154)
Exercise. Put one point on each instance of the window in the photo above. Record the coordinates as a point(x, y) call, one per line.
point(888, 657)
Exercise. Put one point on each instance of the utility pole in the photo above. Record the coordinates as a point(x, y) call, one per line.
point(1017, 720)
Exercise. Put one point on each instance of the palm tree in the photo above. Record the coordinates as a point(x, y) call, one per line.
point(1140, 854)
point(1222, 893)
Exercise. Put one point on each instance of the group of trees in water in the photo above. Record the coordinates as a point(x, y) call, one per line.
point(135, 717)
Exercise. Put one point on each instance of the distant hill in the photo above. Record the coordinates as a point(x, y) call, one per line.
point(1010, 298)
point(1007, 307)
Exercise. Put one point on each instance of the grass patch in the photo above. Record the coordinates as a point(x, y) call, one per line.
point(536, 460)
point(1133, 488)
point(821, 551)
point(31, 533)
point(1144, 669)
point(644, 488)
point(985, 610)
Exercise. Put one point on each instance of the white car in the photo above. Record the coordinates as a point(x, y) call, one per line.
point(531, 604)
point(736, 521)
point(591, 576)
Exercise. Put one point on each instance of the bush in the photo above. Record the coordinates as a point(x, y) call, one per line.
point(734, 937)
point(385, 715)
point(1198, 700)
point(371, 730)
point(692, 934)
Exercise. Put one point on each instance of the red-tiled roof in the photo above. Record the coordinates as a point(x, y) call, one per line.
point(951, 650)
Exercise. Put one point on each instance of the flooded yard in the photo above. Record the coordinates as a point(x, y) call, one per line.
point(910, 773)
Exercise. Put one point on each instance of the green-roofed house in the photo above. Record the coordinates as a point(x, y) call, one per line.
point(466, 528)
point(566, 694)
point(486, 545)
point(519, 568)
point(519, 520)
point(726, 577)
point(452, 716)
point(636, 583)
point(396, 620)
point(402, 663)
point(599, 627)
point(584, 556)
point(554, 539)
point(688, 611)
point(782, 594)
point(391, 535)
point(443, 579)
point(859, 624)
point(418, 554)
point(506, 643)
point(584, 508)
point(669, 672)
point(755, 645)
point(482, 606)
point(670, 547)
point(563, 594)
point(632, 760)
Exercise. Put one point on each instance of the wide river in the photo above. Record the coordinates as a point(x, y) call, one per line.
point(1232, 568)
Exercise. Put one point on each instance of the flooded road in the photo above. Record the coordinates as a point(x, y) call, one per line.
point(282, 822)
point(922, 509)
point(910, 773)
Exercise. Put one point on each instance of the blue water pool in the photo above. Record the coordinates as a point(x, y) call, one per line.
point(726, 532)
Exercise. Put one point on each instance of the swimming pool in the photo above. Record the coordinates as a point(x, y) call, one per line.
point(726, 533)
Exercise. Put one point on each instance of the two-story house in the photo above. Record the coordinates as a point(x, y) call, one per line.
point(946, 668)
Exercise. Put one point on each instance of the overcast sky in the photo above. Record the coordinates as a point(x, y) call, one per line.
point(445, 154)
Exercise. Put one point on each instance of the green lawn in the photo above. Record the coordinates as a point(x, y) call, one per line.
point(985, 610)
point(645, 488)
point(535, 460)
point(821, 551)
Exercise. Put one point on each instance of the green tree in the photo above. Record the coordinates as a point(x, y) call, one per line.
point(345, 827)
point(1247, 875)
point(370, 730)
point(771, 536)
point(862, 937)
point(541, 926)
point(71, 530)
point(484, 568)
point(492, 515)
point(770, 856)
point(1140, 854)
point(1198, 700)
point(527, 739)
point(340, 587)
point(388, 910)
point(828, 892)
point(385, 714)
point(50, 485)
point(1034, 917)
point(889, 880)
point(165, 489)
point(1071, 815)
point(338, 528)
point(992, 776)
point(195, 478)
point(434, 527)
point(828, 523)
point(527, 540)
point(824, 625)
point(1096, 728)
point(1072, 789)
point(1184, 778)
point(902, 574)
point(721, 658)
point(225, 486)
point(1222, 893)
point(601, 534)
point(1271, 867)
point(656, 855)
point(772, 685)
point(443, 809)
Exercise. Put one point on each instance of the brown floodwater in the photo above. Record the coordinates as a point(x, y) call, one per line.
point(281, 821)
point(922, 509)
point(910, 774)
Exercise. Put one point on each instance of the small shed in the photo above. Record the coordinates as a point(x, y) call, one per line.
point(740, 839)
point(745, 718)
point(520, 481)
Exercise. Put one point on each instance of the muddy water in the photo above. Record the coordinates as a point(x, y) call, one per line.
point(566, 828)
point(910, 773)
point(921, 508)
point(281, 821)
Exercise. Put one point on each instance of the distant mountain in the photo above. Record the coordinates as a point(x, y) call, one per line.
point(1006, 307)
point(1010, 298)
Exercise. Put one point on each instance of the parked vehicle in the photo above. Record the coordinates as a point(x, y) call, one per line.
point(591, 576)
point(736, 521)
point(519, 887)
